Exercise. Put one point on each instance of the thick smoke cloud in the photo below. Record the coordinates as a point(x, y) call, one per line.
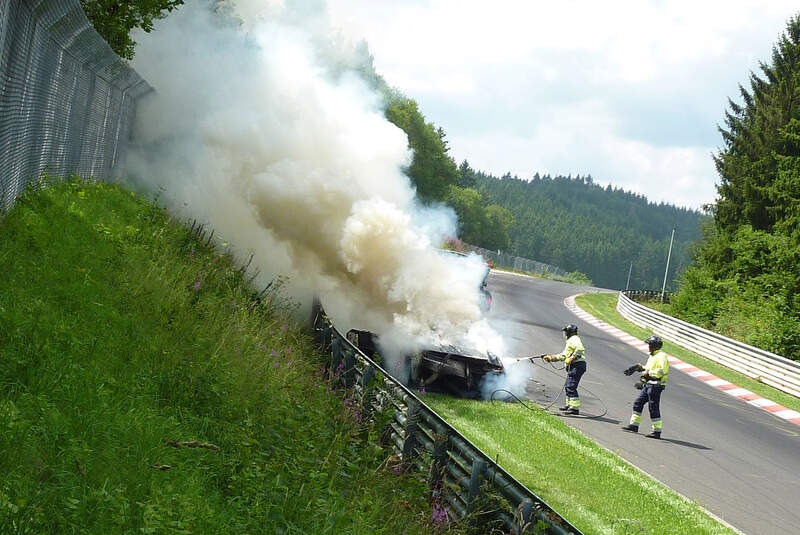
point(262, 129)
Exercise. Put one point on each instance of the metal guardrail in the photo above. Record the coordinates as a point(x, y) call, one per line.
point(67, 101)
point(766, 367)
point(458, 469)
point(648, 295)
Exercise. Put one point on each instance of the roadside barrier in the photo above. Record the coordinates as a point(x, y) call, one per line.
point(460, 474)
point(67, 101)
point(648, 295)
point(763, 366)
point(516, 263)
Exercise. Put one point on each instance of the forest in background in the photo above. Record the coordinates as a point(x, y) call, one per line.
point(605, 232)
point(575, 224)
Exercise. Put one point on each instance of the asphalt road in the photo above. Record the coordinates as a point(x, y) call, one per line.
point(739, 462)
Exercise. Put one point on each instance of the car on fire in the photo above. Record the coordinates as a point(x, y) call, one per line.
point(455, 371)
point(448, 370)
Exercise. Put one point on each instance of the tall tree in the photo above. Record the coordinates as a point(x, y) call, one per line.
point(431, 169)
point(758, 164)
point(744, 280)
point(467, 175)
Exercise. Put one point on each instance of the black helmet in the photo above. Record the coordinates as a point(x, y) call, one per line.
point(570, 329)
point(654, 343)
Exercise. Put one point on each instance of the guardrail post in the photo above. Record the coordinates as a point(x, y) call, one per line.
point(526, 519)
point(478, 469)
point(316, 313)
point(410, 442)
point(439, 462)
point(367, 376)
point(349, 372)
point(337, 358)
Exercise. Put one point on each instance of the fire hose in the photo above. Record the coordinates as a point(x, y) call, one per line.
point(545, 408)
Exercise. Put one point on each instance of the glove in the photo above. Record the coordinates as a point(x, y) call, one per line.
point(646, 376)
point(635, 368)
point(638, 386)
point(630, 369)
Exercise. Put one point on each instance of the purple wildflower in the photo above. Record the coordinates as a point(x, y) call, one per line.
point(284, 327)
point(273, 353)
point(277, 365)
point(422, 391)
point(196, 286)
point(439, 517)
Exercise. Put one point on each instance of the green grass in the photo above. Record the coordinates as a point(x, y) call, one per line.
point(121, 335)
point(591, 487)
point(603, 307)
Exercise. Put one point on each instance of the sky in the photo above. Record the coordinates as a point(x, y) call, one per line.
point(629, 92)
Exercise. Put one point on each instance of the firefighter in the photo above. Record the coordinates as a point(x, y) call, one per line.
point(651, 384)
point(574, 356)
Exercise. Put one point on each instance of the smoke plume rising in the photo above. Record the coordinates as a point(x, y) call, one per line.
point(263, 129)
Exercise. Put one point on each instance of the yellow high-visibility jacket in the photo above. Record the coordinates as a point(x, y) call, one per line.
point(573, 350)
point(657, 368)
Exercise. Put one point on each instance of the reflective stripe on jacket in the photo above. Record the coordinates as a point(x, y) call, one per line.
point(657, 368)
point(573, 346)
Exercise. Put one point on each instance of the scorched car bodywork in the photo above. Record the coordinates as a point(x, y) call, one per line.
point(448, 370)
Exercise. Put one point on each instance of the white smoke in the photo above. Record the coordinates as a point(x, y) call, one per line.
point(264, 131)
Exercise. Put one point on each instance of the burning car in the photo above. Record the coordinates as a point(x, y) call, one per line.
point(448, 369)
point(442, 369)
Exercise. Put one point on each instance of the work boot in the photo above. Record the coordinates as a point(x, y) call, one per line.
point(572, 410)
point(654, 434)
point(564, 408)
point(630, 427)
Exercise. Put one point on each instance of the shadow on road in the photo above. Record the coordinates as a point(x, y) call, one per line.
point(586, 416)
point(684, 443)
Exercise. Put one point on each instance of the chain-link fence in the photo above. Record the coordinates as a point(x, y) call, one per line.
point(66, 99)
point(519, 264)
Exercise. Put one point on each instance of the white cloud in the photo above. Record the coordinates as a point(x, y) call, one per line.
point(516, 85)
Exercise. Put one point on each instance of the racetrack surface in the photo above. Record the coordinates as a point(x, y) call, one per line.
point(739, 462)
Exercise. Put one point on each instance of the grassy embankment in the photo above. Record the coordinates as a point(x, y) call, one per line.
point(603, 307)
point(143, 391)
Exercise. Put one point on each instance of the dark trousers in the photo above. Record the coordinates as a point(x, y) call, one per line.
point(650, 394)
point(574, 373)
